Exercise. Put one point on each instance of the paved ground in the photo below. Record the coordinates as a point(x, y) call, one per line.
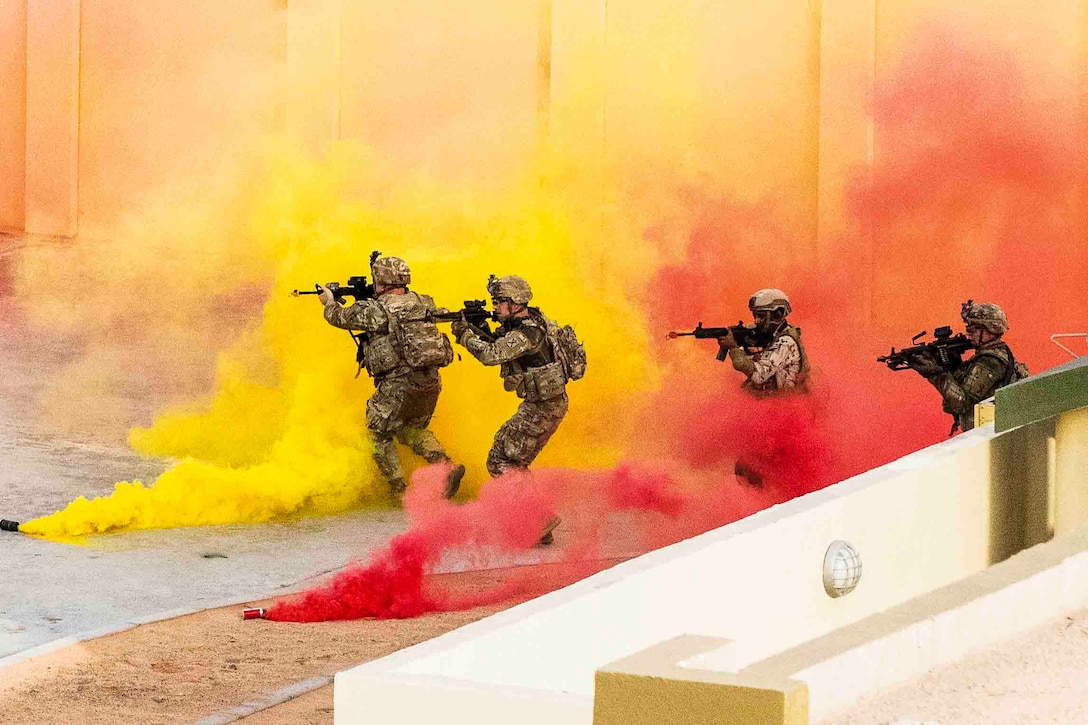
point(1037, 678)
point(51, 590)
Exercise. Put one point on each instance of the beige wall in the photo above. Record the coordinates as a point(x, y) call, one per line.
point(1071, 471)
point(12, 113)
point(450, 89)
point(761, 100)
point(169, 93)
point(52, 117)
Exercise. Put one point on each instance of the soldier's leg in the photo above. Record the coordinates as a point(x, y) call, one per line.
point(520, 439)
point(382, 420)
point(385, 455)
point(420, 402)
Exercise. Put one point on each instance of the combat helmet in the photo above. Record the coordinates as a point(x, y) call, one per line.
point(391, 272)
point(988, 315)
point(769, 300)
point(511, 287)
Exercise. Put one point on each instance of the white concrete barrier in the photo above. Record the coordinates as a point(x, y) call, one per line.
point(919, 523)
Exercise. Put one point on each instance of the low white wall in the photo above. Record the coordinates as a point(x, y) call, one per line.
point(919, 523)
point(1007, 600)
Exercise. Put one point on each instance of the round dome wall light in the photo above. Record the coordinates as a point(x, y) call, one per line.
point(842, 569)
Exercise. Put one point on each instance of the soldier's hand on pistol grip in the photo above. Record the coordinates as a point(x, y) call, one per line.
point(325, 296)
point(925, 364)
point(459, 328)
point(727, 341)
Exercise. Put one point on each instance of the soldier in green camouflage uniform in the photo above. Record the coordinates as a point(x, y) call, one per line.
point(991, 367)
point(403, 351)
point(529, 367)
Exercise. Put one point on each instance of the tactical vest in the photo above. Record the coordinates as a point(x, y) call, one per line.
point(406, 341)
point(537, 375)
point(803, 373)
point(771, 386)
point(1014, 370)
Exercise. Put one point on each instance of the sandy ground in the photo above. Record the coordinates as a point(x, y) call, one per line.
point(309, 709)
point(1041, 677)
point(184, 669)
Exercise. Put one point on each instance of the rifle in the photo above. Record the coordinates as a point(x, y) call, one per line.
point(746, 336)
point(947, 349)
point(474, 313)
point(356, 287)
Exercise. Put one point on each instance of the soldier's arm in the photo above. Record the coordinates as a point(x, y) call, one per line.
point(977, 384)
point(775, 358)
point(742, 361)
point(506, 349)
point(365, 315)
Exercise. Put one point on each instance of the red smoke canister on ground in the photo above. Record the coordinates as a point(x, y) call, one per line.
point(253, 613)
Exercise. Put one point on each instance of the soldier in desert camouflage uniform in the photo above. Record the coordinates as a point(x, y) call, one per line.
point(403, 352)
point(783, 364)
point(780, 367)
point(991, 367)
point(527, 360)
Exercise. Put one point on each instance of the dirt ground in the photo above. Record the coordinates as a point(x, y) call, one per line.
point(184, 669)
point(1040, 677)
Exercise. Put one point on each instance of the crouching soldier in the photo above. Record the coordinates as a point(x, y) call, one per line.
point(536, 358)
point(402, 353)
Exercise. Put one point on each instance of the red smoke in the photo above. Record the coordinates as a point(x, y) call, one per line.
point(975, 192)
point(639, 509)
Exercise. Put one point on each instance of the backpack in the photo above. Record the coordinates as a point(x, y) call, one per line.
point(421, 342)
point(569, 352)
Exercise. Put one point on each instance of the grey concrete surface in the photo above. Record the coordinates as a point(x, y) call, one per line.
point(50, 591)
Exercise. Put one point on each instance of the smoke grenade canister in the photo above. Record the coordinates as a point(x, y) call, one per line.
point(6, 525)
point(253, 613)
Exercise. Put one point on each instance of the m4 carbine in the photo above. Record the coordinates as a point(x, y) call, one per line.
point(356, 287)
point(475, 313)
point(947, 349)
point(745, 336)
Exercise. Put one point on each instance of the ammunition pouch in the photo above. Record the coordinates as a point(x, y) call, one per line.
point(538, 383)
point(382, 355)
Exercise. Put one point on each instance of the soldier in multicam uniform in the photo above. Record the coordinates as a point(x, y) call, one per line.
point(992, 366)
point(528, 364)
point(780, 367)
point(403, 352)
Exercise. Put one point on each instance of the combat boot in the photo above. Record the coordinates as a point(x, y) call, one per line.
point(453, 481)
point(397, 487)
point(748, 475)
point(546, 536)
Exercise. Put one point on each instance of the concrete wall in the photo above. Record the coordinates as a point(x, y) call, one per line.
point(920, 523)
point(12, 113)
point(923, 522)
point(772, 99)
point(676, 681)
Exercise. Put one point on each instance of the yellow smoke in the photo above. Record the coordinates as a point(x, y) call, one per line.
point(285, 430)
point(654, 102)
